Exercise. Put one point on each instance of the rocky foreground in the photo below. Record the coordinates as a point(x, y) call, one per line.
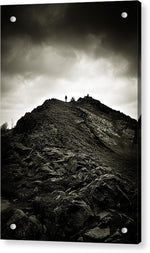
point(70, 173)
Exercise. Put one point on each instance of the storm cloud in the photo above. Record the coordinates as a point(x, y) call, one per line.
point(74, 49)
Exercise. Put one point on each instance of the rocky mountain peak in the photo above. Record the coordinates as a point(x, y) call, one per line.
point(69, 172)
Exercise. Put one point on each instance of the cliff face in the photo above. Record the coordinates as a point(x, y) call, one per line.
point(69, 172)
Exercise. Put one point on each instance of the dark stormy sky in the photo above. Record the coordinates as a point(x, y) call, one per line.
point(73, 49)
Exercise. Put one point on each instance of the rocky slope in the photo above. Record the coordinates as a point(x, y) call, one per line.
point(69, 173)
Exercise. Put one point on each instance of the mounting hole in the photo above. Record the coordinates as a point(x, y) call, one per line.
point(13, 226)
point(13, 19)
point(124, 14)
point(124, 230)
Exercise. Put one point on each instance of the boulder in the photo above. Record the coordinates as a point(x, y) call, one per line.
point(97, 234)
point(27, 228)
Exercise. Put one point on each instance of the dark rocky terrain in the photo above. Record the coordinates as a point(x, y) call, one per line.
point(70, 173)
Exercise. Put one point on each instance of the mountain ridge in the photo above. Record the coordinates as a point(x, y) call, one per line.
point(82, 112)
point(70, 168)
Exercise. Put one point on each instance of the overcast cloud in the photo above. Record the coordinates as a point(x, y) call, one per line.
point(69, 49)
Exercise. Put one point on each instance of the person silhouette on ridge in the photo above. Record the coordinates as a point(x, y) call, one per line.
point(65, 98)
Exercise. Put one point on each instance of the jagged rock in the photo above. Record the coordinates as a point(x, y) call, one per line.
point(97, 234)
point(65, 214)
point(21, 149)
point(75, 212)
point(108, 191)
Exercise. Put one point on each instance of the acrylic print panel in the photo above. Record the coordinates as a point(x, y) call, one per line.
point(70, 126)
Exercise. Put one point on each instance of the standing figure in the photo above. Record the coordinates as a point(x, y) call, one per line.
point(65, 98)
